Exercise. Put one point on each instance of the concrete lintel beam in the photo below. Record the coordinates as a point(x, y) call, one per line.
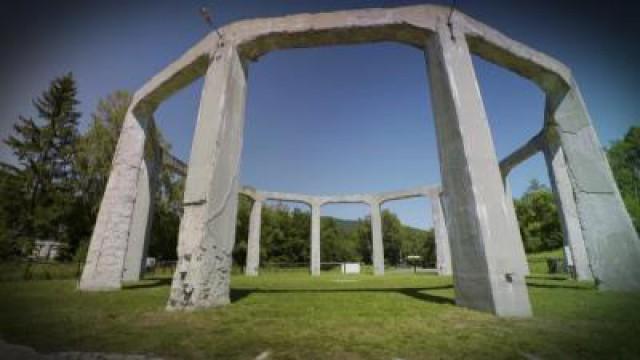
point(522, 154)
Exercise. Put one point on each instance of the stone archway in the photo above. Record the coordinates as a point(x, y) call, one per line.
point(487, 276)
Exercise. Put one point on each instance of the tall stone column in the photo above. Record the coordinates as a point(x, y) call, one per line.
point(611, 241)
point(253, 245)
point(207, 229)
point(567, 210)
point(141, 223)
point(443, 251)
point(315, 239)
point(139, 234)
point(486, 276)
point(520, 256)
point(105, 261)
point(377, 246)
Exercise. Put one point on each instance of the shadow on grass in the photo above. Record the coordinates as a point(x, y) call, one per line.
point(416, 293)
point(571, 286)
point(239, 294)
point(148, 284)
point(548, 277)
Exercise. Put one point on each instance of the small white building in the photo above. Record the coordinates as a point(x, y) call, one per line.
point(47, 249)
point(351, 268)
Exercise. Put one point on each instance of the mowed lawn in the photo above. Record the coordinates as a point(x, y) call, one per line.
point(295, 316)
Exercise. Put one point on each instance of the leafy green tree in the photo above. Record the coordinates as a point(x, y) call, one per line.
point(45, 149)
point(242, 230)
point(538, 219)
point(336, 243)
point(624, 158)
point(392, 237)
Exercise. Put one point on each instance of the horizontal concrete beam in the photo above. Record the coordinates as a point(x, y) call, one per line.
point(524, 152)
point(174, 164)
point(430, 191)
point(410, 25)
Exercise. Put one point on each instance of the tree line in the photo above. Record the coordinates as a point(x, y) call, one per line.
point(53, 188)
point(285, 234)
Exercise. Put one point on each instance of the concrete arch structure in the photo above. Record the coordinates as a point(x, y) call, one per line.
point(374, 201)
point(479, 222)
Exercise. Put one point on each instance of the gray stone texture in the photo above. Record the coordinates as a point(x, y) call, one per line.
point(105, 262)
point(443, 250)
point(140, 230)
point(207, 229)
point(485, 273)
point(253, 243)
point(611, 241)
point(377, 247)
point(315, 238)
point(563, 193)
point(518, 251)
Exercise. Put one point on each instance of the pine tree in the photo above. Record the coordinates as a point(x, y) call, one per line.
point(44, 150)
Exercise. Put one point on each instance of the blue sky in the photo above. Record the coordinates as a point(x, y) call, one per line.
point(324, 120)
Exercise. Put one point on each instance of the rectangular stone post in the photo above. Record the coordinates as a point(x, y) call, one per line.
point(139, 234)
point(253, 245)
point(611, 241)
point(443, 251)
point(520, 256)
point(142, 221)
point(485, 275)
point(315, 239)
point(563, 193)
point(377, 246)
point(105, 261)
point(207, 229)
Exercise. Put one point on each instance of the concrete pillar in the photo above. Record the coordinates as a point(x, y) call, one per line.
point(104, 265)
point(486, 276)
point(315, 239)
point(207, 229)
point(253, 245)
point(520, 256)
point(377, 252)
point(563, 193)
point(611, 241)
point(140, 232)
point(443, 251)
point(141, 223)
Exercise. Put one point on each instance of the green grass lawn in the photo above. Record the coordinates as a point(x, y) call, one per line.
point(294, 316)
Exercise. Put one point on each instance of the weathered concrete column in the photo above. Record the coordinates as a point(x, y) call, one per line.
point(105, 261)
point(142, 220)
point(443, 251)
point(140, 232)
point(519, 254)
point(315, 239)
point(485, 274)
point(253, 244)
point(377, 246)
point(611, 241)
point(207, 229)
point(563, 193)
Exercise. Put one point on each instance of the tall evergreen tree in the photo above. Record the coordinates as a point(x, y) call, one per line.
point(45, 149)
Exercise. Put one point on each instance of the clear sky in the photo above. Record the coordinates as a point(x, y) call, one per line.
point(324, 120)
